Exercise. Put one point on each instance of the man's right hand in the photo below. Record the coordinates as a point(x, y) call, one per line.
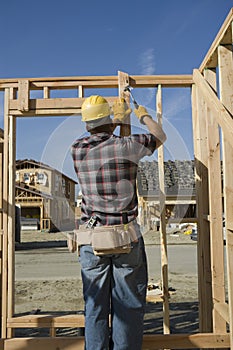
point(141, 112)
point(153, 127)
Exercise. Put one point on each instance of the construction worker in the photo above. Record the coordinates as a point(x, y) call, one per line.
point(114, 282)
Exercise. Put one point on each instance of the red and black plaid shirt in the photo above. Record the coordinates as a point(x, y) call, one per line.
point(106, 167)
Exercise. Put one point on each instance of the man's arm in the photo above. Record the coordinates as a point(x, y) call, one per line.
point(121, 110)
point(153, 127)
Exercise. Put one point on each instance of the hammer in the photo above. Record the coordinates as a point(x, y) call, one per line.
point(128, 88)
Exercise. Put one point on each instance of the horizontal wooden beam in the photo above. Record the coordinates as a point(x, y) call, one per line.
point(150, 342)
point(52, 106)
point(186, 341)
point(50, 103)
point(140, 81)
point(74, 84)
point(46, 321)
point(86, 78)
point(175, 201)
point(27, 203)
point(61, 85)
point(47, 112)
point(136, 81)
point(182, 220)
point(61, 343)
point(223, 37)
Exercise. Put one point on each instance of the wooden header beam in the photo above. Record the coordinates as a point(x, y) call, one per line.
point(22, 105)
point(51, 106)
point(100, 82)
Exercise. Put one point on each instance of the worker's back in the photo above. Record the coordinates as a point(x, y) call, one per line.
point(106, 166)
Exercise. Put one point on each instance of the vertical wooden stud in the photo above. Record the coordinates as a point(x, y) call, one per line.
point(163, 236)
point(215, 211)
point(123, 81)
point(11, 216)
point(80, 91)
point(5, 215)
point(11, 220)
point(46, 92)
point(226, 88)
point(1, 214)
point(202, 199)
point(52, 332)
point(23, 95)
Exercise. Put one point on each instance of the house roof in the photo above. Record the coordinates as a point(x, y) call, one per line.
point(178, 177)
point(35, 164)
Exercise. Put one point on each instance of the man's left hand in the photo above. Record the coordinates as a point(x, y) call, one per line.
point(120, 110)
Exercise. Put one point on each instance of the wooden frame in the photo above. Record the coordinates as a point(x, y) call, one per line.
point(212, 113)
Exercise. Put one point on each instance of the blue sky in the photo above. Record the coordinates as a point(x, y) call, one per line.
point(77, 38)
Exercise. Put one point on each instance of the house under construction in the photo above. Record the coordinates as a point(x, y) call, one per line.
point(211, 87)
point(45, 194)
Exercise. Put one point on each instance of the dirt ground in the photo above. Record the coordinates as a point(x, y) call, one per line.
point(64, 296)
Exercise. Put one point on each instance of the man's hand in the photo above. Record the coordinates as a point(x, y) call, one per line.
point(120, 110)
point(141, 112)
point(153, 127)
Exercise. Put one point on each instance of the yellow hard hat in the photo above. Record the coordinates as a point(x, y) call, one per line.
point(95, 107)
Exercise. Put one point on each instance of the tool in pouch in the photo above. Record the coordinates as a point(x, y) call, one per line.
point(76, 237)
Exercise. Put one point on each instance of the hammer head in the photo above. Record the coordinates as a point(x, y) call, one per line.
point(128, 88)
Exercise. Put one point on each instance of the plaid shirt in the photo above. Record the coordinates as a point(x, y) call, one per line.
point(106, 167)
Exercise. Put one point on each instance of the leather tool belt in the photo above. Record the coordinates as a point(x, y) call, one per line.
point(104, 240)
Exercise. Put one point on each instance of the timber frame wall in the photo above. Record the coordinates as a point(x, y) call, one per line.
point(212, 104)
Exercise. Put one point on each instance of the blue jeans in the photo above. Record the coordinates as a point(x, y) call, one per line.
point(116, 285)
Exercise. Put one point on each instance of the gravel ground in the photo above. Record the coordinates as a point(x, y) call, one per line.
point(65, 296)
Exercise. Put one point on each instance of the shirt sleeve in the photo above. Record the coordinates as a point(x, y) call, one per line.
point(145, 144)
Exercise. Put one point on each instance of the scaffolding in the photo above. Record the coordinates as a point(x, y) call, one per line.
point(212, 108)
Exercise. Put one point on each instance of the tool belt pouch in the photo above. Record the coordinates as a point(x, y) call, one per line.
point(111, 240)
point(105, 239)
point(77, 238)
